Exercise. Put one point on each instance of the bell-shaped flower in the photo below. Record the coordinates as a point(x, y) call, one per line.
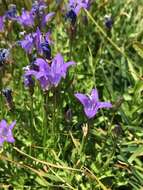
point(91, 103)
point(6, 132)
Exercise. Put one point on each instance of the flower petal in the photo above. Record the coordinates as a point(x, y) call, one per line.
point(82, 98)
point(104, 105)
point(94, 95)
point(90, 111)
point(12, 125)
point(65, 67)
point(3, 123)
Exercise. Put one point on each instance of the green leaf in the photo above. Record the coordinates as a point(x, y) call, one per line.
point(41, 181)
point(138, 152)
point(138, 48)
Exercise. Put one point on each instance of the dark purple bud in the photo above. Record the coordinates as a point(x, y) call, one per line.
point(68, 115)
point(4, 55)
point(46, 50)
point(30, 83)
point(71, 15)
point(117, 130)
point(8, 96)
point(12, 12)
point(108, 22)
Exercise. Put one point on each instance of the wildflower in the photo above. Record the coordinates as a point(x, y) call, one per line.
point(108, 22)
point(6, 132)
point(12, 12)
point(91, 103)
point(41, 74)
point(27, 43)
point(38, 11)
point(26, 19)
point(49, 75)
point(8, 95)
point(4, 56)
point(58, 69)
point(74, 7)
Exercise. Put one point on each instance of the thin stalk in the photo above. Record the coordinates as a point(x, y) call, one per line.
point(45, 116)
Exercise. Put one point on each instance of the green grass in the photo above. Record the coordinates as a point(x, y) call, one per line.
point(52, 153)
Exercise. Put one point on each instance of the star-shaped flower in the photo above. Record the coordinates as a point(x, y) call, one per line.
point(91, 103)
point(6, 132)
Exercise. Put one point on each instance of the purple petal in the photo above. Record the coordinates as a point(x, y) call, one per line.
point(26, 19)
point(47, 18)
point(82, 98)
point(90, 111)
point(12, 125)
point(3, 124)
point(43, 65)
point(54, 78)
point(65, 67)
point(30, 72)
point(104, 105)
point(45, 83)
point(38, 39)
point(10, 137)
point(48, 38)
point(94, 95)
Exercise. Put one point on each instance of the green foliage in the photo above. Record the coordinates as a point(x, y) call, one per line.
point(51, 152)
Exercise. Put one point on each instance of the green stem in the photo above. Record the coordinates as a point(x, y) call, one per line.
point(45, 116)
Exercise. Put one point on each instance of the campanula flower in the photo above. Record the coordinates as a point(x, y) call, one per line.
point(37, 7)
point(59, 69)
point(6, 132)
point(39, 41)
point(91, 103)
point(74, 7)
point(26, 18)
point(27, 43)
point(41, 74)
point(49, 75)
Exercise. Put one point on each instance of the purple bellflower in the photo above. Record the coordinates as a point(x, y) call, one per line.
point(59, 69)
point(27, 43)
point(26, 18)
point(74, 7)
point(49, 75)
point(37, 40)
point(41, 73)
point(38, 11)
point(91, 103)
point(6, 132)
